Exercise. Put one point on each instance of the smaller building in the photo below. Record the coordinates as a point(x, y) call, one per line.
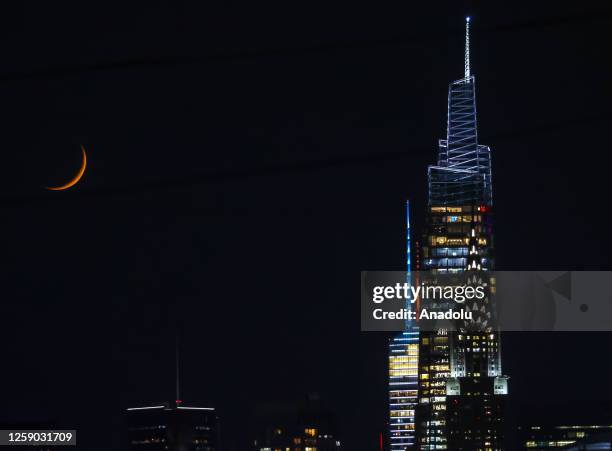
point(598, 441)
point(575, 437)
point(474, 409)
point(305, 426)
point(172, 427)
point(562, 424)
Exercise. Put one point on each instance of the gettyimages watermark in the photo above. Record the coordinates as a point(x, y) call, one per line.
point(487, 300)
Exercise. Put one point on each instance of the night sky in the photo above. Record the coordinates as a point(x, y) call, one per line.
point(246, 161)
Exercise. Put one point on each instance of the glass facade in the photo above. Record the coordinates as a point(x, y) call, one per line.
point(458, 379)
point(403, 375)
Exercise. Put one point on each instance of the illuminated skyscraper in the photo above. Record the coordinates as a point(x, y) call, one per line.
point(403, 376)
point(454, 398)
point(461, 386)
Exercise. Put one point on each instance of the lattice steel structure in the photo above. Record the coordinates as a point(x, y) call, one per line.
point(462, 174)
point(460, 384)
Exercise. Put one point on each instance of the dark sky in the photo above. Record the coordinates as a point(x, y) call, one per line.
point(245, 163)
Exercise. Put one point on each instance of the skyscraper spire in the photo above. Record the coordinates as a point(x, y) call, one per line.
point(467, 47)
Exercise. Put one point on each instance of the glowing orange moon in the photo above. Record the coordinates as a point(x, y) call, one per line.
point(76, 178)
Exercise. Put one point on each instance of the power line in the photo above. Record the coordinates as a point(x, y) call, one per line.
point(71, 70)
point(240, 174)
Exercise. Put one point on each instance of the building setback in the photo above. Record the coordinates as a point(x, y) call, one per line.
point(454, 397)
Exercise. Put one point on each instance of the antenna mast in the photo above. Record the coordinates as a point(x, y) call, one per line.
point(178, 372)
point(467, 47)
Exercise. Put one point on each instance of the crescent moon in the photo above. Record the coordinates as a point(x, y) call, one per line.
point(76, 178)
